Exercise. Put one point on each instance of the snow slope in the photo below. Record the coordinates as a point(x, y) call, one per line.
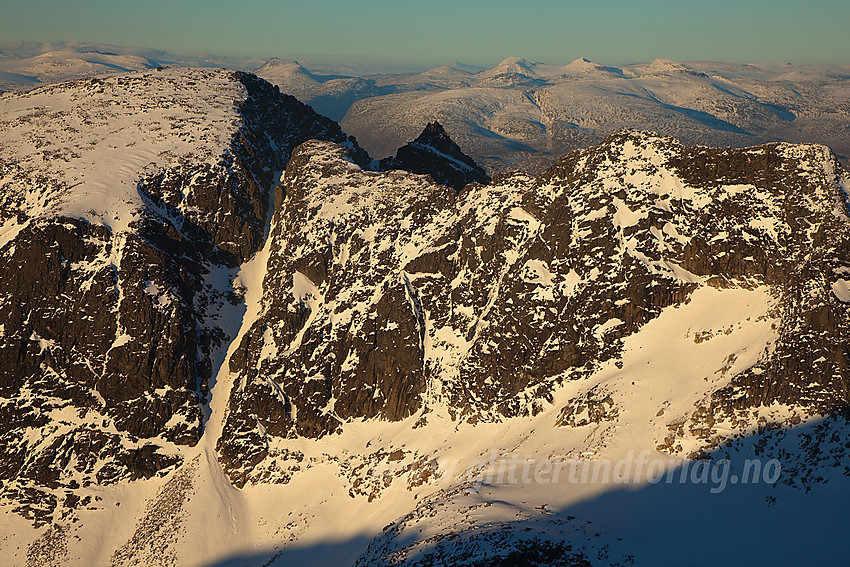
point(83, 137)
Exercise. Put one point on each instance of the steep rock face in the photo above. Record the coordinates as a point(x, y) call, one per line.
point(434, 153)
point(341, 331)
point(109, 288)
point(382, 303)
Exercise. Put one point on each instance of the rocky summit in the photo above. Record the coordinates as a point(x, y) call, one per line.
point(229, 335)
point(434, 153)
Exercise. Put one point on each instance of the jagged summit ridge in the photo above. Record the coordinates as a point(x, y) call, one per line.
point(435, 135)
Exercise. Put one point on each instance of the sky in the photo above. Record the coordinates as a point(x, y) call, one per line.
point(435, 32)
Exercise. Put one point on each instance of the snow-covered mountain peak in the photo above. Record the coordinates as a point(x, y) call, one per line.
point(653, 163)
point(664, 67)
point(583, 66)
point(68, 62)
point(580, 62)
point(662, 63)
point(285, 68)
point(88, 143)
point(511, 65)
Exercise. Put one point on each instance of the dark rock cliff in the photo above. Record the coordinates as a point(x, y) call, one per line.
point(434, 153)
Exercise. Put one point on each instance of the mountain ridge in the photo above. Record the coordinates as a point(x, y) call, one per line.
point(272, 338)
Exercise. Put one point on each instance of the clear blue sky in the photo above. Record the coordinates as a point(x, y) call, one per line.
point(426, 32)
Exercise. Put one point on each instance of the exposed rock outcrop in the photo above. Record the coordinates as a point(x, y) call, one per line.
point(435, 154)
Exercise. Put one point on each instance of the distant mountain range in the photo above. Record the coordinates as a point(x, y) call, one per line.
point(523, 115)
point(27, 64)
point(519, 114)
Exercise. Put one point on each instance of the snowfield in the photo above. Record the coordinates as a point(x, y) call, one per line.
point(75, 148)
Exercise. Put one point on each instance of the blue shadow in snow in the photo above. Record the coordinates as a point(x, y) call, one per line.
point(799, 520)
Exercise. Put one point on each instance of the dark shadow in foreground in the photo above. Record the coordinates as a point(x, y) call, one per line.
point(705, 517)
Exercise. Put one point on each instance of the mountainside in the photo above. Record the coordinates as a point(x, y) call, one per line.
point(126, 203)
point(230, 337)
point(639, 297)
point(383, 301)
